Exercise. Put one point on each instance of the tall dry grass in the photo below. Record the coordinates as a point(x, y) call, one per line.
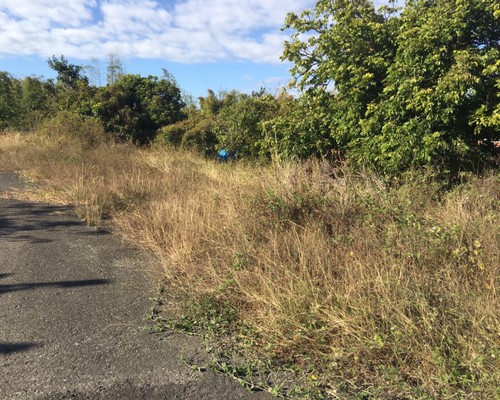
point(385, 290)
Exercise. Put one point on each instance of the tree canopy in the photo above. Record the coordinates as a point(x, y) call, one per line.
point(135, 107)
point(67, 74)
point(412, 88)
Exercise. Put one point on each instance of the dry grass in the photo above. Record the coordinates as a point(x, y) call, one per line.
point(388, 291)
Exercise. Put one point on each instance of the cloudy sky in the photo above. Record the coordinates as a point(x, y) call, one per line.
point(216, 44)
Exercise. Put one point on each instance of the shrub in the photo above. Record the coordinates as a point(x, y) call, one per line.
point(88, 131)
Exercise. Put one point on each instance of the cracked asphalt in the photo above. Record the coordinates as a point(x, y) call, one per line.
point(72, 302)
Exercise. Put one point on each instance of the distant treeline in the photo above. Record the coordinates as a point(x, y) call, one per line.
point(391, 89)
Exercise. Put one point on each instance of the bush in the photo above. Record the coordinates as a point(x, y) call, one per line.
point(171, 135)
point(196, 133)
point(88, 131)
point(238, 126)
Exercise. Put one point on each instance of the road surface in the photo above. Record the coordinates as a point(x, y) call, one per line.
point(71, 307)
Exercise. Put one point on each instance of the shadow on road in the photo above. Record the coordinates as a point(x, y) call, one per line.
point(21, 220)
point(6, 348)
point(16, 287)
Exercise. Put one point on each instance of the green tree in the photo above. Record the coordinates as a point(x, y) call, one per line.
point(72, 91)
point(197, 131)
point(213, 103)
point(24, 103)
point(135, 107)
point(231, 120)
point(415, 88)
point(37, 101)
point(348, 45)
point(68, 75)
point(9, 101)
point(442, 88)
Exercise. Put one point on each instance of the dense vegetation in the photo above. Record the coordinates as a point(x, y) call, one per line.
point(131, 108)
point(365, 289)
point(346, 251)
point(389, 89)
point(410, 89)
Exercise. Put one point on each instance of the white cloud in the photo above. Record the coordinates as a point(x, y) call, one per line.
point(183, 31)
point(134, 18)
point(230, 16)
point(69, 13)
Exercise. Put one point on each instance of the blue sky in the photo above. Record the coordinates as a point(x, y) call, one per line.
point(205, 44)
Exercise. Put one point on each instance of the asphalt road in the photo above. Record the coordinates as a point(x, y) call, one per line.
point(71, 307)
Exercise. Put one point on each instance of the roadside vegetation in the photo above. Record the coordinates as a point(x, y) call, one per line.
point(386, 289)
point(354, 239)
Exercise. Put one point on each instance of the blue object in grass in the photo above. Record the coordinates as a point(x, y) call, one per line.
point(223, 155)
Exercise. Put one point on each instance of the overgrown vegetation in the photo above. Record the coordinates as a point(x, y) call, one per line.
point(358, 241)
point(390, 290)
